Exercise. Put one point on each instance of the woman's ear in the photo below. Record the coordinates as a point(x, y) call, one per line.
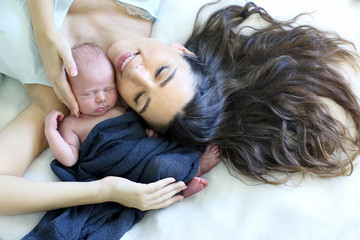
point(181, 49)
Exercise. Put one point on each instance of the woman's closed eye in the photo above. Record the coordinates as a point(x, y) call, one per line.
point(161, 70)
point(138, 96)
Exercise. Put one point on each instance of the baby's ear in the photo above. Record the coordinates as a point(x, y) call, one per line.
point(181, 49)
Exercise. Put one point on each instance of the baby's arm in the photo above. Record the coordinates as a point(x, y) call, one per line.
point(64, 146)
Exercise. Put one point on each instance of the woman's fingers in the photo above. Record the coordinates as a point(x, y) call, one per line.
point(163, 193)
point(59, 61)
point(71, 69)
point(63, 91)
point(69, 62)
point(168, 202)
point(166, 199)
point(166, 184)
point(145, 197)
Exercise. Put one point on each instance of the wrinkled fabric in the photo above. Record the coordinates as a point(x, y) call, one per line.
point(114, 147)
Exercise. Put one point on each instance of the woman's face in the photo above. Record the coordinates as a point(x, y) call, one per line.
point(152, 78)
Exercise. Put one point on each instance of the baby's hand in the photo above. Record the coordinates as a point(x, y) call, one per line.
point(151, 132)
point(51, 121)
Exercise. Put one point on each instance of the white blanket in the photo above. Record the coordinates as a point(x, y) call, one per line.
point(228, 208)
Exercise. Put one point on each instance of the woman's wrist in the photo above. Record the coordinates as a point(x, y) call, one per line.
point(45, 33)
point(104, 187)
point(44, 28)
point(114, 189)
point(92, 192)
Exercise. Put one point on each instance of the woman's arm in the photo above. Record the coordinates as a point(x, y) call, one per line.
point(42, 15)
point(20, 196)
point(54, 51)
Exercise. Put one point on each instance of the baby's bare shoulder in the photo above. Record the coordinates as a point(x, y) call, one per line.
point(72, 121)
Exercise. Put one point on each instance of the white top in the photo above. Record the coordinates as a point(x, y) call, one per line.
point(147, 9)
point(19, 55)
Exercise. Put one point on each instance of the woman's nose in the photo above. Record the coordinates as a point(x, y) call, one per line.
point(141, 76)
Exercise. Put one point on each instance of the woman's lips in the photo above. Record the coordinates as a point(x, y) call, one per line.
point(124, 61)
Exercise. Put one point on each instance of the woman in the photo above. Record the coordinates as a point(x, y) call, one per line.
point(222, 73)
point(265, 98)
point(27, 129)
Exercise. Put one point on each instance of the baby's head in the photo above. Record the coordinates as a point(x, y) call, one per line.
point(94, 86)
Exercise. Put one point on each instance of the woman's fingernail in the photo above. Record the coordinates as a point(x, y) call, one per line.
point(73, 72)
point(75, 113)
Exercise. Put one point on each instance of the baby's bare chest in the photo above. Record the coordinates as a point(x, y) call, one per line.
point(83, 126)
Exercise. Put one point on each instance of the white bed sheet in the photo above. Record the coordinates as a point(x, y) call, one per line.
point(228, 208)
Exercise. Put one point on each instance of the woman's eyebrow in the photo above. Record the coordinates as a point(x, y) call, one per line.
point(166, 81)
point(145, 106)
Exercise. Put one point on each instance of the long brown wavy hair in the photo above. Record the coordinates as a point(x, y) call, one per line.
point(260, 96)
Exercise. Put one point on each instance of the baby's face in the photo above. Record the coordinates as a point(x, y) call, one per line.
point(95, 90)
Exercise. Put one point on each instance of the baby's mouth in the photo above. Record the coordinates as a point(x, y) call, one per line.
point(101, 109)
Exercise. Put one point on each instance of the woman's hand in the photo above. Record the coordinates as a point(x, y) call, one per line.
point(54, 51)
point(57, 58)
point(144, 197)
